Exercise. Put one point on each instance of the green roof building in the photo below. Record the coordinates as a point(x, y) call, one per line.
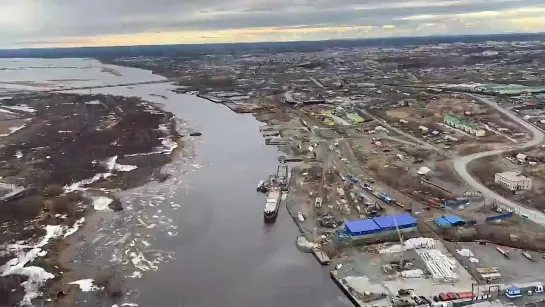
point(463, 124)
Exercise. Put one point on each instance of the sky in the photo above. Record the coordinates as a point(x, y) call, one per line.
point(63, 23)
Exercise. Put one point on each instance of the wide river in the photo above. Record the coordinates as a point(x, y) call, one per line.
point(223, 253)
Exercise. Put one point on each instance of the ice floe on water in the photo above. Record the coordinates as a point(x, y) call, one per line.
point(136, 274)
point(100, 203)
point(85, 285)
point(75, 227)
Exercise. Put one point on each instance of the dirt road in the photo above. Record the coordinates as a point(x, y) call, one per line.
point(388, 126)
point(460, 163)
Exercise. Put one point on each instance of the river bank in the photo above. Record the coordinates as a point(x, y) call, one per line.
point(186, 240)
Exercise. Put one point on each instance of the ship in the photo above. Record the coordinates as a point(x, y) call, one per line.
point(273, 204)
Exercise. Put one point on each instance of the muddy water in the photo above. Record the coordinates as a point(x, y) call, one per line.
point(212, 246)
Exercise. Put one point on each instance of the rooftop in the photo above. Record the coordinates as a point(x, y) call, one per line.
point(454, 219)
point(361, 226)
point(390, 221)
point(459, 120)
point(512, 176)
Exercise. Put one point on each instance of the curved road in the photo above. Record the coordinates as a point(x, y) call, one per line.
point(461, 163)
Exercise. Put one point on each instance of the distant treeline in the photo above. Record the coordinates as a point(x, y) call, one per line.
point(264, 47)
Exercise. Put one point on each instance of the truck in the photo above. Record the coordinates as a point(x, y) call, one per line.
point(385, 198)
point(352, 178)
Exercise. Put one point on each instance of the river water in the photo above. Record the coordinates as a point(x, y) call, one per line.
point(220, 252)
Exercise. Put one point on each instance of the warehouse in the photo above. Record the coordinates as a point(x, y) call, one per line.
point(403, 221)
point(447, 221)
point(380, 226)
point(361, 227)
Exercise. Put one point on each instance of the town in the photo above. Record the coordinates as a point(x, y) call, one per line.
point(422, 170)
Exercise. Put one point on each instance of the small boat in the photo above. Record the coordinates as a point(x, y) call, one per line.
point(273, 204)
point(261, 186)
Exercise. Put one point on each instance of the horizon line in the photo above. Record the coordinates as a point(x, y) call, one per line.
point(279, 42)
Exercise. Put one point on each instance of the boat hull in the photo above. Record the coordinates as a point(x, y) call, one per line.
point(270, 217)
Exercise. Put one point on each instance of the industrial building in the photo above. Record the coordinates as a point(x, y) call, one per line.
point(380, 226)
point(463, 124)
point(513, 181)
point(447, 221)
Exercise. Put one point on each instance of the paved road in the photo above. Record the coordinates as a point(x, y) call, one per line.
point(461, 163)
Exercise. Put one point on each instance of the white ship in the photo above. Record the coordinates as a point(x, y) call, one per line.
point(273, 204)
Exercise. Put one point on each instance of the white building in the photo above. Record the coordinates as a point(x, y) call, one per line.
point(513, 181)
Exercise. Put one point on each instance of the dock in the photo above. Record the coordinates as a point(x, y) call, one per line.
point(344, 289)
point(322, 257)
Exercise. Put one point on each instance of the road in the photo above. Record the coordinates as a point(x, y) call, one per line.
point(316, 82)
point(460, 163)
point(415, 139)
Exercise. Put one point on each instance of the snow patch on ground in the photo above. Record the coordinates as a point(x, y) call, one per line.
point(21, 107)
point(79, 185)
point(109, 163)
point(100, 203)
point(15, 129)
point(85, 285)
point(93, 102)
point(168, 146)
point(125, 168)
point(36, 275)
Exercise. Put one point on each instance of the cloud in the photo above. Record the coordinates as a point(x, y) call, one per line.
point(25, 23)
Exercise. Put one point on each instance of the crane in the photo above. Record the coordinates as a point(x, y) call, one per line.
point(400, 235)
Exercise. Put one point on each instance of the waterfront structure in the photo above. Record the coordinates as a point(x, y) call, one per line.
point(463, 124)
point(513, 181)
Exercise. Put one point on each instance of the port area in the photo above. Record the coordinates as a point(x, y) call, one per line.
point(372, 276)
point(416, 264)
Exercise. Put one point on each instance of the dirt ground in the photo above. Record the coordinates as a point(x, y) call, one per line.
point(485, 169)
point(499, 130)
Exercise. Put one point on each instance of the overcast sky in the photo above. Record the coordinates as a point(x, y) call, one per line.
point(41, 23)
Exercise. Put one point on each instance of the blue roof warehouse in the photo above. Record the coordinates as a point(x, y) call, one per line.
point(379, 226)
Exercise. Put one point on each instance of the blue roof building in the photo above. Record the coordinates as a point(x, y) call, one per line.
point(389, 222)
point(361, 227)
point(441, 222)
point(454, 220)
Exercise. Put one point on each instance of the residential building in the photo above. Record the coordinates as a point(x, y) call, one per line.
point(463, 124)
point(513, 181)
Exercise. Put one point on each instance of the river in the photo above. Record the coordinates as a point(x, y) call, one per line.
point(222, 253)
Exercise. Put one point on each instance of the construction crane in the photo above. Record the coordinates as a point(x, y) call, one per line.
point(400, 236)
